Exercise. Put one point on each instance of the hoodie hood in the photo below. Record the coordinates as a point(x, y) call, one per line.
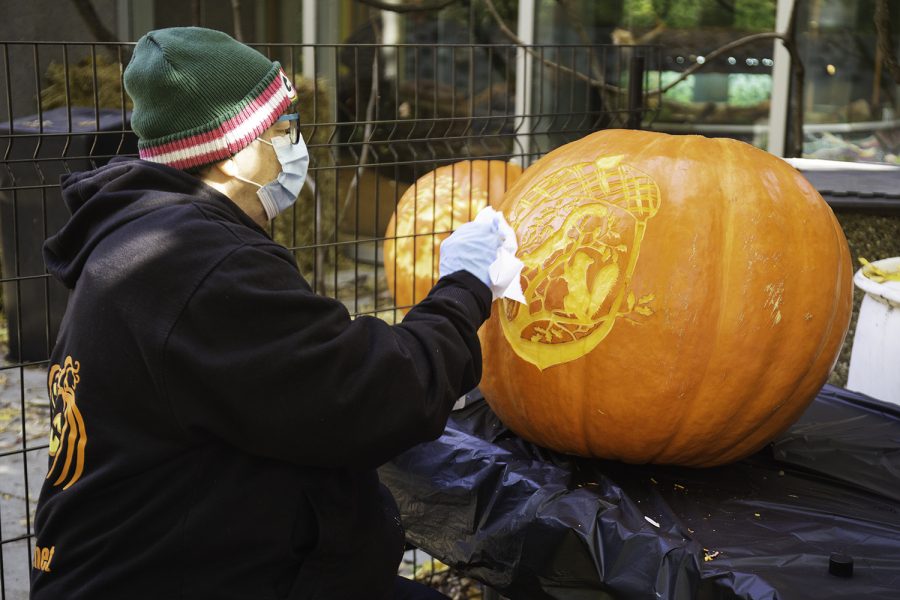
point(105, 199)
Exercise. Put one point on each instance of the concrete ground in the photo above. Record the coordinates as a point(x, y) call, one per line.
point(23, 466)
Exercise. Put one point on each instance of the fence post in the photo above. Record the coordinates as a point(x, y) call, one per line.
point(781, 83)
point(524, 74)
point(635, 92)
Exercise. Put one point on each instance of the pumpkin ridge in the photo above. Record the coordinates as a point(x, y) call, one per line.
point(835, 306)
point(762, 405)
point(730, 147)
point(688, 395)
point(741, 445)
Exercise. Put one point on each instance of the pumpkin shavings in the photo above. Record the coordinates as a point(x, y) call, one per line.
point(710, 554)
point(430, 568)
point(876, 274)
point(776, 293)
point(652, 522)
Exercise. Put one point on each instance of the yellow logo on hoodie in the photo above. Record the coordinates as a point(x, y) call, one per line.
point(68, 437)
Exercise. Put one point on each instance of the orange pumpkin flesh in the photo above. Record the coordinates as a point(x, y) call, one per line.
point(439, 202)
point(687, 299)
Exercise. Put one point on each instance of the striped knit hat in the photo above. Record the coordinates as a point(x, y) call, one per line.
point(200, 96)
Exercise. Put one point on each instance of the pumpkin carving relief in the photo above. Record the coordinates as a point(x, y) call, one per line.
point(435, 205)
point(581, 230)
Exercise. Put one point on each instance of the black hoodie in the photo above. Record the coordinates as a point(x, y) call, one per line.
point(216, 424)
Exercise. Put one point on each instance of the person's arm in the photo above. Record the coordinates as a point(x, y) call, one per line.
point(259, 361)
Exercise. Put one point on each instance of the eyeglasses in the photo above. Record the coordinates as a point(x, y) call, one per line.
point(293, 119)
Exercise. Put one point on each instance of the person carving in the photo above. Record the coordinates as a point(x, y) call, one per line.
point(223, 422)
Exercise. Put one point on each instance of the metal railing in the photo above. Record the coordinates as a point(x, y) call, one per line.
point(375, 118)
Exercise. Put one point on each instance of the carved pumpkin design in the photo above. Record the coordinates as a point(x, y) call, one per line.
point(439, 202)
point(687, 298)
point(581, 231)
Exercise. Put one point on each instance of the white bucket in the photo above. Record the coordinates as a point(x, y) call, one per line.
point(875, 358)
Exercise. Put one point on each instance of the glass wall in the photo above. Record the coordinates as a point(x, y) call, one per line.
point(850, 100)
point(727, 95)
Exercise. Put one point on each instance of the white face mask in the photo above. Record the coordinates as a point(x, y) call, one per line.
point(280, 194)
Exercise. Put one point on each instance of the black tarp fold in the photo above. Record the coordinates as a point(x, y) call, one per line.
point(536, 524)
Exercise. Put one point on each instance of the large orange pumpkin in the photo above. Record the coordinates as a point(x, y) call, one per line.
point(439, 202)
point(687, 298)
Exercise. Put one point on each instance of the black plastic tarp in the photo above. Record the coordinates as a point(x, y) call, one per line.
point(536, 524)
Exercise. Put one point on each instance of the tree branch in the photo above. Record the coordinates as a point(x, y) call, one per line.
point(787, 38)
point(884, 39)
point(724, 4)
point(407, 8)
point(749, 39)
point(93, 22)
point(530, 51)
point(616, 89)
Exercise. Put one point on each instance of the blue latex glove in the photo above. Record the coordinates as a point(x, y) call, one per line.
point(472, 247)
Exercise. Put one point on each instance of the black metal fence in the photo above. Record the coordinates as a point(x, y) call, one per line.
point(375, 118)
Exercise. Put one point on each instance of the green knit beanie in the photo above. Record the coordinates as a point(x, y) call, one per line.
point(200, 96)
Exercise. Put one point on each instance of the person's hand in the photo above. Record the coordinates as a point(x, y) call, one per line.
point(472, 247)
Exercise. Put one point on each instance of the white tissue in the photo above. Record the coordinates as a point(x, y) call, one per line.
point(506, 269)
